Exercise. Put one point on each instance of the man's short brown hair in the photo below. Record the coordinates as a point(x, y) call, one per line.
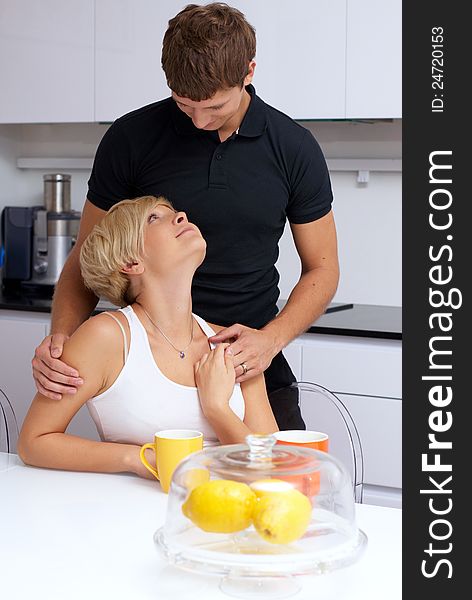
point(206, 49)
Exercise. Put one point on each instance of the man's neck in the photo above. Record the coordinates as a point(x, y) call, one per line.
point(233, 124)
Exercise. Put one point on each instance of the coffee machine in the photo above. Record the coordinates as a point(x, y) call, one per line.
point(38, 239)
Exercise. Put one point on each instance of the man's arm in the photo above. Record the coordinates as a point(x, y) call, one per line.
point(73, 302)
point(316, 245)
point(72, 305)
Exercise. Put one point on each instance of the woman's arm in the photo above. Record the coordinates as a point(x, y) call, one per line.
point(43, 441)
point(258, 416)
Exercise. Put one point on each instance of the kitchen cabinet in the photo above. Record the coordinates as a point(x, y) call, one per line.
point(329, 59)
point(128, 72)
point(353, 365)
point(373, 53)
point(20, 333)
point(95, 60)
point(293, 354)
point(365, 374)
point(300, 55)
point(379, 423)
point(46, 61)
point(19, 337)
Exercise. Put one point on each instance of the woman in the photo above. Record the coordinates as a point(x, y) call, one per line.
point(148, 366)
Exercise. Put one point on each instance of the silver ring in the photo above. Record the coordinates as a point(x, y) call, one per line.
point(245, 369)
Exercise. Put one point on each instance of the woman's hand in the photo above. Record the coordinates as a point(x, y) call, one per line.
point(215, 378)
point(135, 465)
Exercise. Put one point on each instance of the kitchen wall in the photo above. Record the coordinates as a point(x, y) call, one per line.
point(368, 215)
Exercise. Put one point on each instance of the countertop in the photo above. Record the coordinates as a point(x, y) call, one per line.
point(87, 535)
point(362, 320)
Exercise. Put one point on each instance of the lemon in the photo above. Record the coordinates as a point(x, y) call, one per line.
point(281, 514)
point(262, 487)
point(220, 506)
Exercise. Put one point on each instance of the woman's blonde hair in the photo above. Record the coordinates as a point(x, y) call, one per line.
point(113, 243)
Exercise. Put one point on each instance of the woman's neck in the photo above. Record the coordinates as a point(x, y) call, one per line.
point(168, 308)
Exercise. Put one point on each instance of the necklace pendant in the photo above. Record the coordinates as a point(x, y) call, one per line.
point(182, 354)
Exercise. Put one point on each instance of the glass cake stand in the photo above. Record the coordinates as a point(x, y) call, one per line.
point(259, 515)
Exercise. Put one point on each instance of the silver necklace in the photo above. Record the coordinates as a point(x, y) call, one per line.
point(181, 352)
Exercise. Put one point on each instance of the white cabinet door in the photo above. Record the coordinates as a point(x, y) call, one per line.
point(300, 55)
point(293, 355)
point(18, 339)
point(379, 423)
point(374, 51)
point(353, 365)
point(46, 61)
point(19, 336)
point(382, 496)
point(365, 374)
point(128, 72)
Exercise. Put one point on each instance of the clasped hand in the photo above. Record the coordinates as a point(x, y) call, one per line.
point(215, 379)
point(251, 350)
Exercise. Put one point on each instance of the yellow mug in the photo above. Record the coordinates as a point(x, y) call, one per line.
point(170, 447)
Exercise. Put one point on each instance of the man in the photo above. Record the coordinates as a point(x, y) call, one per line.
point(239, 169)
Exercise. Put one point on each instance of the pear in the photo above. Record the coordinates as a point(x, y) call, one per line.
point(281, 514)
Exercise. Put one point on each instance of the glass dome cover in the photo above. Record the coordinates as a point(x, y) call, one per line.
point(260, 510)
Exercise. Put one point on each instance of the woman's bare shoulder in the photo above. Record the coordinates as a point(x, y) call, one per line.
point(104, 324)
point(98, 334)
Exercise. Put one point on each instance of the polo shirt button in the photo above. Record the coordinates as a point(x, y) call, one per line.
point(219, 157)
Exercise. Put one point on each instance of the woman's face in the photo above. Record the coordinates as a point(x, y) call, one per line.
point(170, 241)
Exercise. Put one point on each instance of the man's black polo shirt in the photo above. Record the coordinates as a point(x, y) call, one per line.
point(239, 193)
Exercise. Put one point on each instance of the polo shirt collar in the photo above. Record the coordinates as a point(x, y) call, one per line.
point(253, 124)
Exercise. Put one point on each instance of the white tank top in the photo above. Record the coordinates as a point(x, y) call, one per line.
point(142, 400)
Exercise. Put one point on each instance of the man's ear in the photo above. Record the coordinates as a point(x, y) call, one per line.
point(133, 268)
point(250, 72)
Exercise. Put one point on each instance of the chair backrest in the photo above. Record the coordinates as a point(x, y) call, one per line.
point(324, 411)
point(8, 425)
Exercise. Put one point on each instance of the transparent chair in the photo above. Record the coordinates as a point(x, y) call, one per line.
point(324, 411)
point(8, 425)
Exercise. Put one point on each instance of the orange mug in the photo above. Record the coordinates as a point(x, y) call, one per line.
point(308, 484)
point(304, 438)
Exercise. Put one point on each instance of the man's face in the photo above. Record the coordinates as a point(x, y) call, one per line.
point(214, 113)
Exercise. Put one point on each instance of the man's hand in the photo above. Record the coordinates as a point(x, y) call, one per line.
point(252, 350)
point(52, 376)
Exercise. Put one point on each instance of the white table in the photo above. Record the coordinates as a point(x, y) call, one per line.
point(89, 536)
